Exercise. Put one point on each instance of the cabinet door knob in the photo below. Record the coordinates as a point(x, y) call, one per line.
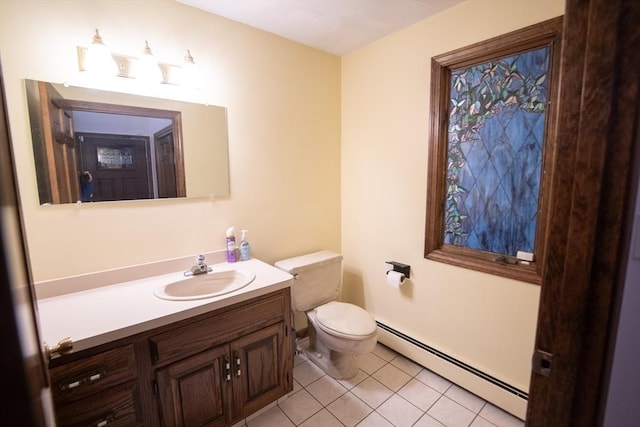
point(65, 346)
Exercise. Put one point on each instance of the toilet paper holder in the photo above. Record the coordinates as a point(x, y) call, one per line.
point(400, 267)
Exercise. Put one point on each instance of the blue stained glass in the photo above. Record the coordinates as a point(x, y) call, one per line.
point(494, 153)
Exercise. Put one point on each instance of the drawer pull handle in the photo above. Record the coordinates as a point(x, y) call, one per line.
point(105, 421)
point(88, 379)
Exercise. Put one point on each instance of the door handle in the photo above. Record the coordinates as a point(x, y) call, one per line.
point(227, 369)
point(541, 362)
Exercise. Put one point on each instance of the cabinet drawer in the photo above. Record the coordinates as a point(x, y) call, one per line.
point(113, 407)
point(218, 328)
point(80, 378)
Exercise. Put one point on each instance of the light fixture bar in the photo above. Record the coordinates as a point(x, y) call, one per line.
point(126, 64)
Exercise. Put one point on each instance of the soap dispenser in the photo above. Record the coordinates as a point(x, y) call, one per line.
point(245, 248)
point(231, 245)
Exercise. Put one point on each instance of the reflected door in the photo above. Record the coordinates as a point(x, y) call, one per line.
point(166, 163)
point(118, 165)
point(56, 155)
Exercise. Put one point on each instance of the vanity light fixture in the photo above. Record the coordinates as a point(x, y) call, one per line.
point(99, 61)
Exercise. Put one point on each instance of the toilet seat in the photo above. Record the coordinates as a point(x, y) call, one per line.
point(345, 320)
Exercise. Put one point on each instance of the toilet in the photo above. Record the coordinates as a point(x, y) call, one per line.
point(338, 332)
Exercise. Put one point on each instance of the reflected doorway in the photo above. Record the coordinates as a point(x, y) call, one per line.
point(118, 166)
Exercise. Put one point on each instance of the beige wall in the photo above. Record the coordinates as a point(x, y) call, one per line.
point(283, 103)
point(484, 320)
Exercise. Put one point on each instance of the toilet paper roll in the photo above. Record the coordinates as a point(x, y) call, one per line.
point(395, 279)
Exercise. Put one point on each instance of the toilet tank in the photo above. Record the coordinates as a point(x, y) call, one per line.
point(318, 278)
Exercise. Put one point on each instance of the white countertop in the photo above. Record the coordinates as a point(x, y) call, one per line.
point(97, 316)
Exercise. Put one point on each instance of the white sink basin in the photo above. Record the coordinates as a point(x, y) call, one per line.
point(218, 282)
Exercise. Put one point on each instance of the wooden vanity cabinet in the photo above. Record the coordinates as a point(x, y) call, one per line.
point(240, 361)
point(209, 370)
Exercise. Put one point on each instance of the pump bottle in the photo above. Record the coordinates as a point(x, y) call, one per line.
point(231, 245)
point(245, 248)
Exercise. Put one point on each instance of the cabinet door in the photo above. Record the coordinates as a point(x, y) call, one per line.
point(258, 368)
point(193, 392)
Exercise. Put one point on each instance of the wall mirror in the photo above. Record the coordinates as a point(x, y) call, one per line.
point(92, 145)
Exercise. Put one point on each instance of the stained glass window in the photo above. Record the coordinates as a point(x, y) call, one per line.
point(495, 142)
point(491, 152)
point(115, 158)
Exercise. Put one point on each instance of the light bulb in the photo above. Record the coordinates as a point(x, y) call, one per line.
point(189, 77)
point(99, 61)
point(147, 69)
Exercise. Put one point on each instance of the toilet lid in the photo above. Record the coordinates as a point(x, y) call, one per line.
point(347, 320)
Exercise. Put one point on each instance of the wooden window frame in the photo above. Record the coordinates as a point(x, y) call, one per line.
point(546, 33)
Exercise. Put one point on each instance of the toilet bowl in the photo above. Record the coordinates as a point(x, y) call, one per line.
point(338, 332)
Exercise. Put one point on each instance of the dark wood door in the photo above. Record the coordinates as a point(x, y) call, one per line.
point(118, 164)
point(597, 127)
point(23, 373)
point(165, 163)
point(258, 369)
point(193, 392)
point(60, 166)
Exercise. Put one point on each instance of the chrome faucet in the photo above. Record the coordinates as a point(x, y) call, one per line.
point(199, 268)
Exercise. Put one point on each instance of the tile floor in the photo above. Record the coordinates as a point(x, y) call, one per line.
point(389, 391)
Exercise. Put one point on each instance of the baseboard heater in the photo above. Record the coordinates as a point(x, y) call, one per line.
point(456, 362)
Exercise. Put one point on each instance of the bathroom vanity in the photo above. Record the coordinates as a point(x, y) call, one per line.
point(172, 363)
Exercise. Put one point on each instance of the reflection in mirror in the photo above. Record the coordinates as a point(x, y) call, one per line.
point(92, 145)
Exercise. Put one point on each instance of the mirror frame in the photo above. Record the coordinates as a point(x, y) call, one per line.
point(126, 110)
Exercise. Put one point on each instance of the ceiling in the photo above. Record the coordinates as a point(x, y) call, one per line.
point(334, 26)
